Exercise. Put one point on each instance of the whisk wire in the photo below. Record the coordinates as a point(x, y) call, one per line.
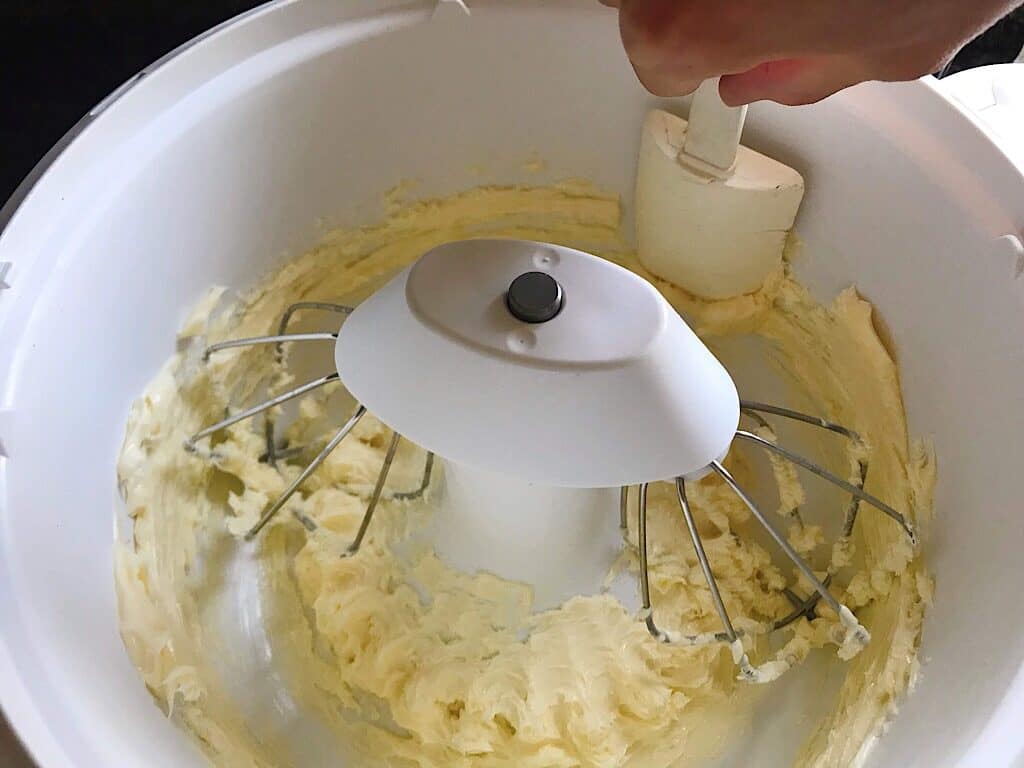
point(754, 410)
point(258, 340)
point(304, 475)
point(779, 539)
point(300, 306)
point(428, 471)
point(647, 610)
point(273, 453)
point(823, 473)
point(702, 558)
point(850, 519)
point(739, 656)
point(378, 489)
point(266, 405)
point(855, 631)
point(775, 410)
point(801, 607)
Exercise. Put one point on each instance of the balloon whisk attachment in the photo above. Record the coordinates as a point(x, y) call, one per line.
point(513, 363)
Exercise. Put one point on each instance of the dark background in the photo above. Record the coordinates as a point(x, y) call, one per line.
point(59, 58)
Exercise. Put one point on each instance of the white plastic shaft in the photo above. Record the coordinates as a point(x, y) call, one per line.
point(560, 540)
point(714, 131)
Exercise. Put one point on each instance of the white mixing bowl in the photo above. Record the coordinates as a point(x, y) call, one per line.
point(236, 151)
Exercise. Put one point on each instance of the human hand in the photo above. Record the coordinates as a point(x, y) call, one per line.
point(794, 51)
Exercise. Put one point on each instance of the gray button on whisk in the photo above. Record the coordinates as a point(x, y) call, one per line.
point(534, 297)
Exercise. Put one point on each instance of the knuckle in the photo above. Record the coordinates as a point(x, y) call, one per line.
point(801, 99)
point(910, 65)
point(664, 85)
point(676, 32)
point(646, 23)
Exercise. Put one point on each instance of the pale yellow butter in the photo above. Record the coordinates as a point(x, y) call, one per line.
point(450, 680)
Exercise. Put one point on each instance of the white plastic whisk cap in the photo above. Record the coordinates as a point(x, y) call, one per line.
point(540, 362)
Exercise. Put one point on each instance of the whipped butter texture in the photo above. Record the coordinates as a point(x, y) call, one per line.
point(391, 657)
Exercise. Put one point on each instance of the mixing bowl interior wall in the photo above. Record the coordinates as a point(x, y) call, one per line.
point(175, 189)
point(220, 164)
point(935, 264)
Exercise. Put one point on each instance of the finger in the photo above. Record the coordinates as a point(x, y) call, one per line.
point(792, 81)
point(657, 46)
point(674, 45)
point(664, 84)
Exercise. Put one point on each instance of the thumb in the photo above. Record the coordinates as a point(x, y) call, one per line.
point(792, 81)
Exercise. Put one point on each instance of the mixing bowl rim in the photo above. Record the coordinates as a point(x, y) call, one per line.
point(16, 700)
